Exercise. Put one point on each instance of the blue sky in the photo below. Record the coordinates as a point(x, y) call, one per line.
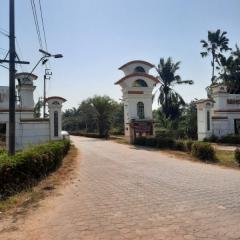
point(96, 37)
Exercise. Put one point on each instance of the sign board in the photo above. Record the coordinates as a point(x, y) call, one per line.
point(4, 97)
point(142, 127)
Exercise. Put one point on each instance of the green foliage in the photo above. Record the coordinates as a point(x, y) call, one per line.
point(216, 43)
point(171, 102)
point(228, 139)
point(24, 169)
point(184, 127)
point(180, 145)
point(230, 71)
point(141, 141)
point(203, 151)
point(237, 155)
point(151, 142)
point(97, 114)
point(166, 142)
point(37, 109)
point(163, 132)
point(188, 145)
point(84, 134)
point(212, 138)
point(2, 151)
point(188, 121)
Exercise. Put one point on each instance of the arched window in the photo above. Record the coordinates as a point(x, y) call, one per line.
point(139, 83)
point(56, 124)
point(139, 69)
point(208, 120)
point(140, 110)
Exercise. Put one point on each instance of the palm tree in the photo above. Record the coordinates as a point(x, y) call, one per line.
point(103, 107)
point(169, 99)
point(230, 71)
point(216, 43)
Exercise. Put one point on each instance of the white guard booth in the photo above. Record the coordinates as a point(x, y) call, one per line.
point(218, 115)
point(137, 86)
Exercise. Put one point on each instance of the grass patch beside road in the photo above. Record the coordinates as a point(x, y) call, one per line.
point(226, 158)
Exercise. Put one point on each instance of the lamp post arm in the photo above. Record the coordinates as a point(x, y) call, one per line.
point(37, 64)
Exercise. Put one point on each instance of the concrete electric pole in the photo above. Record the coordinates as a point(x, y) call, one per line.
point(12, 72)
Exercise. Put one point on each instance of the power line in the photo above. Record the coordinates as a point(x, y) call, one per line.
point(20, 53)
point(35, 17)
point(43, 25)
point(4, 34)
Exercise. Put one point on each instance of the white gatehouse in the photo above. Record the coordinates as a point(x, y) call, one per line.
point(218, 115)
point(30, 130)
point(137, 86)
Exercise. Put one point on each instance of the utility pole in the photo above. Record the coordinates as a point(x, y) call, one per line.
point(47, 76)
point(12, 97)
point(12, 72)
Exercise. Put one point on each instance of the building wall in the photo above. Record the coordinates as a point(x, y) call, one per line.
point(225, 109)
point(202, 109)
point(130, 100)
point(29, 133)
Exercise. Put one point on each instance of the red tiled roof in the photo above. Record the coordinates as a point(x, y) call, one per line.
point(53, 97)
point(138, 75)
point(26, 74)
point(137, 61)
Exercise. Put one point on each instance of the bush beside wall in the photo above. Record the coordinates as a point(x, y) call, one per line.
point(26, 168)
point(188, 145)
point(237, 155)
point(203, 151)
point(180, 145)
point(90, 135)
point(228, 139)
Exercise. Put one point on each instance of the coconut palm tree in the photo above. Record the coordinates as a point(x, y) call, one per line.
point(216, 43)
point(168, 98)
point(230, 71)
point(103, 107)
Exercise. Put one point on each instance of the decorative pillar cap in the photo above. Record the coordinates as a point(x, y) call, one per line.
point(55, 100)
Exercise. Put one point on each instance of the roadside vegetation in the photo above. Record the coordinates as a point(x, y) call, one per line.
point(196, 150)
point(27, 168)
point(98, 116)
point(175, 120)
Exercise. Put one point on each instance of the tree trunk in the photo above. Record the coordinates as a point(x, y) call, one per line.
point(213, 65)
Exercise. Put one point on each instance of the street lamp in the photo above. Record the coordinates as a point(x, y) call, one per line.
point(44, 59)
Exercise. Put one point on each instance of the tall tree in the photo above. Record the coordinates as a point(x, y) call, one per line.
point(216, 43)
point(170, 100)
point(103, 106)
point(188, 121)
point(37, 108)
point(230, 71)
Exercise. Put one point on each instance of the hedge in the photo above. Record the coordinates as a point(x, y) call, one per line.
point(90, 135)
point(26, 168)
point(203, 151)
point(237, 155)
point(228, 139)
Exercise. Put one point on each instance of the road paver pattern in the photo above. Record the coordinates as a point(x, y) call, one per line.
point(124, 192)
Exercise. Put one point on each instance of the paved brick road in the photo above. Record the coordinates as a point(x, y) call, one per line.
point(125, 193)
